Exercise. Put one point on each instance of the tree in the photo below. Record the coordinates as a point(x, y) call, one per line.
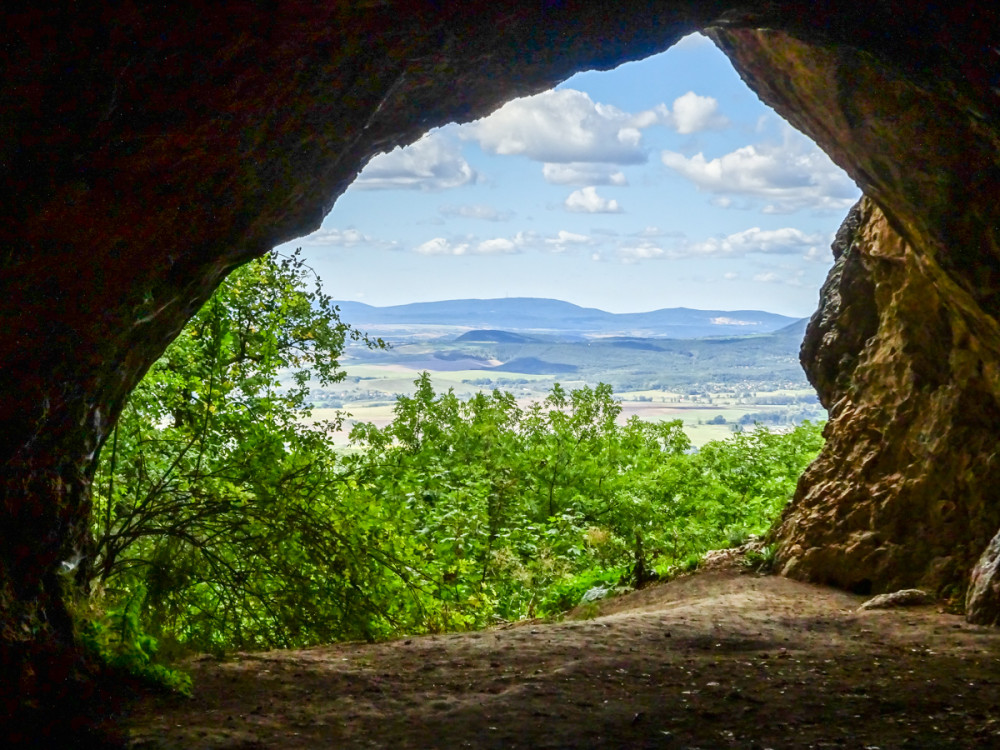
point(215, 501)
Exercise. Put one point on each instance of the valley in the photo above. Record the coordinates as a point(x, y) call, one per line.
point(716, 384)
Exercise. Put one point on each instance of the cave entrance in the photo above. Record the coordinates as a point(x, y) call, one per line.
point(665, 183)
point(554, 209)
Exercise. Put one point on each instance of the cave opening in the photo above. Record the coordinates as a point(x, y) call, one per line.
point(728, 369)
point(663, 183)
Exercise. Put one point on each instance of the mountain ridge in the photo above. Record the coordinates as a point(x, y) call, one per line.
point(520, 314)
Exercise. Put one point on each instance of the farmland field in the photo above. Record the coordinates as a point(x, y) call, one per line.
point(714, 383)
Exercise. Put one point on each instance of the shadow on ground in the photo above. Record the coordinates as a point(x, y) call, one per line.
point(718, 659)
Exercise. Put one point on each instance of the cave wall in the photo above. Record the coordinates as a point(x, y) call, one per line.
point(147, 149)
point(905, 492)
point(904, 348)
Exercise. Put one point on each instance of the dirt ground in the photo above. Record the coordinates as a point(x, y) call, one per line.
point(717, 659)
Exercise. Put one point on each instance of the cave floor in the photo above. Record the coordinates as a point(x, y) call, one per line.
point(717, 659)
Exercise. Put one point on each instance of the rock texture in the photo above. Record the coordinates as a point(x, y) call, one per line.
point(148, 148)
point(904, 493)
point(982, 601)
point(902, 598)
point(904, 349)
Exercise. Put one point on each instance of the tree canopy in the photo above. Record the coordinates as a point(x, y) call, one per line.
point(225, 519)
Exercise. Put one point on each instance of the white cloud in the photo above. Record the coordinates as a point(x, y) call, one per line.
point(652, 231)
point(693, 113)
point(526, 238)
point(730, 276)
point(578, 173)
point(522, 241)
point(640, 251)
point(498, 246)
point(750, 242)
point(472, 246)
point(562, 126)
point(785, 241)
point(768, 277)
point(340, 237)
point(564, 241)
point(432, 163)
point(567, 127)
point(790, 177)
point(476, 211)
point(441, 246)
point(349, 238)
point(586, 200)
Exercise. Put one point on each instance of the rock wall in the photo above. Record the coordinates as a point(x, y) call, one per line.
point(905, 492)
point(904, 349)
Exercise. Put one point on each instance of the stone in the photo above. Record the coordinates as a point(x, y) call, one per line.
point(904, 349)
point(903, 493)
point(595, 594)
point(982, 603)
point(901, 598)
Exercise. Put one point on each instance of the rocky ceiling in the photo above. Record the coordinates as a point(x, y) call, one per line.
point(147, 149)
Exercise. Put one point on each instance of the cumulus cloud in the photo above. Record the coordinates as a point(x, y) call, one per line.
point(785, 241)
point(564, 241)
point(586, 200)
point(476, 211)
point(578, 173)
point(432, 163)
point(692, 113)
point(820, 254)
point(473, 246)
point(497, 246)
point(570, 133)
point(340, 237)
point(349, 237)
point(560, 127)
point(790, 177)
point(653, 245)
point(633, 253)
point(787, 275)
point(442, 246)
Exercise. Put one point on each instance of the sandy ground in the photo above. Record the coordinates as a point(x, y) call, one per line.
point(718, 659)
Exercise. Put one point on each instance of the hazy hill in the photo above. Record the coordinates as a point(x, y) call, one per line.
point(530, 314)
point(488, 336)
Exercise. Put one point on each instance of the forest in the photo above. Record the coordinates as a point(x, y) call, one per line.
point(225, 519)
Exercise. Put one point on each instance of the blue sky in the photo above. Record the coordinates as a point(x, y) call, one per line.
point(663, 183)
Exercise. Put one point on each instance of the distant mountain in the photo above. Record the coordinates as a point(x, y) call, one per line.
point(487, 336)
point(514, 315)
point(796, 330)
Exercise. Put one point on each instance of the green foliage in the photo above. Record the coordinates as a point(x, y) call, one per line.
point(216, 500)
point(762, 560)
point(519, 511)
point(117, 640)
point(223, 521)
point(566, 594)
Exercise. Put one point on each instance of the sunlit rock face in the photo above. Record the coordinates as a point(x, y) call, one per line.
point(905, 348)
point(905, 492)
point(149, 148)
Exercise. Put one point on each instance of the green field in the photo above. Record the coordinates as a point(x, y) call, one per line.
point(368, 395)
